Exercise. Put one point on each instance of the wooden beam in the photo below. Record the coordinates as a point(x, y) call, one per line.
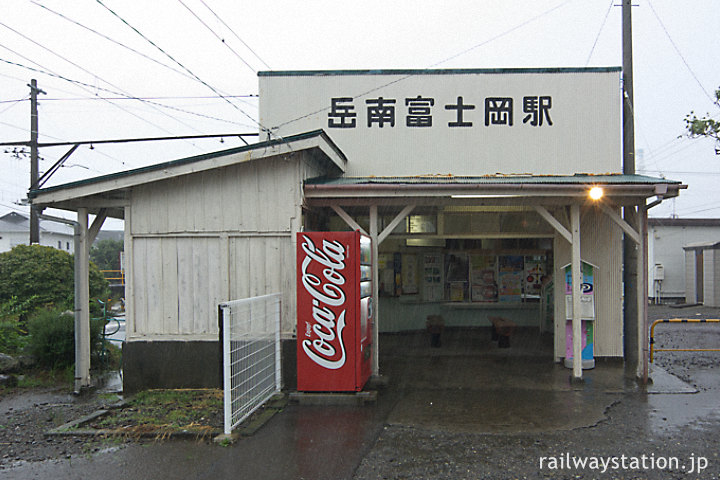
point(559, 227)
point(348, 219)
point(621, 223)
point(96, 225)
point(395, 222)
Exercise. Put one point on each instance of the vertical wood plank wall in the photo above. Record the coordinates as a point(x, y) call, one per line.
point(209, 237)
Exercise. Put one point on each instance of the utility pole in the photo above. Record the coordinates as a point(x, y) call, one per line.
point(630, 252)
point(34, 160)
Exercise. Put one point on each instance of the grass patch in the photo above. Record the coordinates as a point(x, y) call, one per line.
point(165, 412)
point(54, 378)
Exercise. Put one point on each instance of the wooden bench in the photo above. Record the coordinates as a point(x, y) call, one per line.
point(502, 330)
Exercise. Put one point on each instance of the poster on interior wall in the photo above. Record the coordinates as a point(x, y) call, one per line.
point(534, 275)
point(386, 274)
point(456, 276)
point(409, 275)
point(432, 277)
point(483, 278)
point(510, 278)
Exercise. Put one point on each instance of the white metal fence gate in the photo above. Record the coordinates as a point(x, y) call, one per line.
point(251, 355)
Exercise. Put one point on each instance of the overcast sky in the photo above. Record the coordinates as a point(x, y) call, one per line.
point(181, 55)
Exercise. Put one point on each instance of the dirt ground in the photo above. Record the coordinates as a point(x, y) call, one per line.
point(636, 425)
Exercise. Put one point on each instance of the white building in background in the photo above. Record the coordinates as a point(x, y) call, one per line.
point(15, 230)
point(666, 264)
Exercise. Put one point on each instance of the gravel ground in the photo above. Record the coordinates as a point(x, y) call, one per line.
point(27, 414)
point(656, 426)
point(640, 426)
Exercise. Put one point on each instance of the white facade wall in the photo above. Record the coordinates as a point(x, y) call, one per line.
point(665, 246)
point(201, 239)
point(580, 134)
point(49, 239)
point(601, 245)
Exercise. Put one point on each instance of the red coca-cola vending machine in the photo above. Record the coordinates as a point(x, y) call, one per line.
point(334, 311)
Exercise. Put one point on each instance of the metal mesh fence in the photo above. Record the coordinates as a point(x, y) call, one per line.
point(251, 355)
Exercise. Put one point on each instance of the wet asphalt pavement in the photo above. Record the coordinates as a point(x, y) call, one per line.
point(467, 411)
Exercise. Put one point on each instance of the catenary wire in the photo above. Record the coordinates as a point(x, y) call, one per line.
point(597, 37)
point(86, 85)
point(222, 40)
point(180, 64)
point(120, 44)
point(235, 34)
point(452, 57)
point(93, 74)
point(677, 50)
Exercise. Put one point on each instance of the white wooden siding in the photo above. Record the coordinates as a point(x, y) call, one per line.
point(210, 237)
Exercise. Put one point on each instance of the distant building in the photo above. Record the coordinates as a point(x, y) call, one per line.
point(666, 258)
point(15, 230)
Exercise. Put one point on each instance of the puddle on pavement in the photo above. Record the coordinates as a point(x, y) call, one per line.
point(668, 412)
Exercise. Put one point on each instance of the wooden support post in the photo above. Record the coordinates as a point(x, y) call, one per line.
point(376, 289)
point(576, 267)
point(82, 302)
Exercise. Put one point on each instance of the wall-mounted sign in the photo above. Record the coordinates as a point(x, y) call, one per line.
point(460, 122)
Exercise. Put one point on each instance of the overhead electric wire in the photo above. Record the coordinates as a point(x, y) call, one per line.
point(180, 64)
point(236, 35)
point(597, 37)
point(452, 57)
point(677, 50)
point(87, 85)
point(222, 40)
point(12, 103)
point(120, 44)
point(201, 97)
point(94, 75)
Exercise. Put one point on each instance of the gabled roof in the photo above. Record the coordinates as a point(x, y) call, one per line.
point(110, 188)
point(14, 222)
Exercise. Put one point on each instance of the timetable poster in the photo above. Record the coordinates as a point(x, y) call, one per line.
point(510, 278)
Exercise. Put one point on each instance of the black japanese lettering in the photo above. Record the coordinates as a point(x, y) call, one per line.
point(419, 111)
point(341, 113)
point(537, 110)
point(381, 111)
point(460, 108)
point(498, 111)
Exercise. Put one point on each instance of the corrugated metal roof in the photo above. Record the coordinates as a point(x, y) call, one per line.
point(500, 179)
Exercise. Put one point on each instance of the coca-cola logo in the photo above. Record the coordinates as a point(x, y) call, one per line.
point(326, 292)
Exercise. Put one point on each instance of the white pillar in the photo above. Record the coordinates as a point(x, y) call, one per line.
point(576, 267)
point(376, 288)
point(82, 302)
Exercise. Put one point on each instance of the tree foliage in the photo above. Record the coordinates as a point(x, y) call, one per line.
point(36, 276)
point(106, 254)
point(705, 126)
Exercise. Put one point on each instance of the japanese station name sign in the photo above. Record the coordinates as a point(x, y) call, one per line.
point(460, 122)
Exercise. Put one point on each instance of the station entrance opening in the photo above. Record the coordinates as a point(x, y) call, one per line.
point(459, 280)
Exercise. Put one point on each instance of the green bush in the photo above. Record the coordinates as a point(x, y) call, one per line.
point(12, 338)
point(52, 338)
point(34, 277)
